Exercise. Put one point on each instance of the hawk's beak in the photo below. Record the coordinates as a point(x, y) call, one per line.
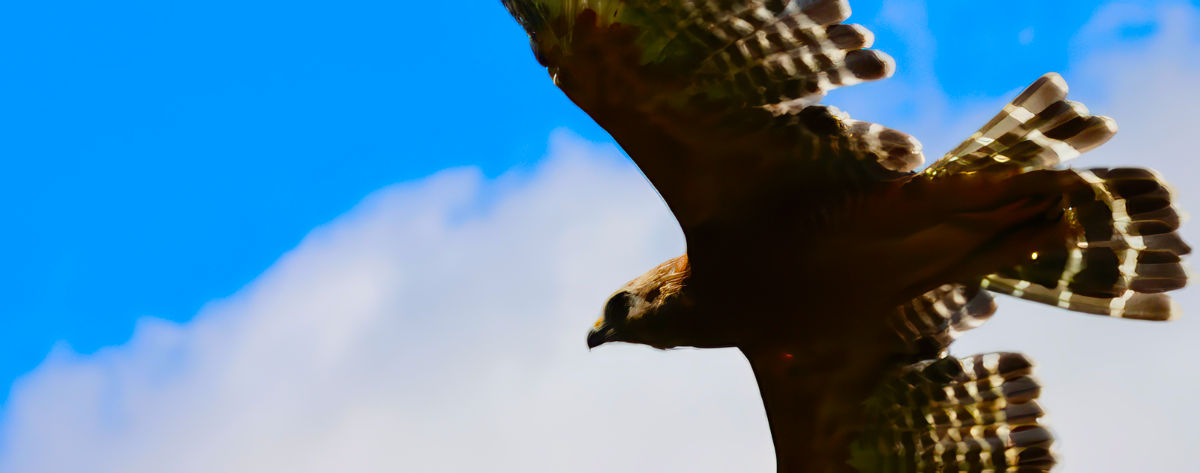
point(597, 336)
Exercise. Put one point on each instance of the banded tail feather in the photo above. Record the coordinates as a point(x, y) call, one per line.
point(973, 414)
point(1125, 254)
point(1037, 130)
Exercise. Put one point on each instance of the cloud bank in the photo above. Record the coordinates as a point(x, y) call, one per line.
point(439, 327)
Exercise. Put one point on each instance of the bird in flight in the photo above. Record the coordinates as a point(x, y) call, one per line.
point(814, 247)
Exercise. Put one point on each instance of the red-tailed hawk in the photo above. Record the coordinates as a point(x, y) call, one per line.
point(813, 246)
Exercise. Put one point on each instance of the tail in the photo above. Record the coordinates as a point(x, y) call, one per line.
point(973, 414)
point(1124, 251)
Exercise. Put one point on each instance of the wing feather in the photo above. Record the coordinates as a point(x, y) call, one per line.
point(707, 96)
point(1125, 251)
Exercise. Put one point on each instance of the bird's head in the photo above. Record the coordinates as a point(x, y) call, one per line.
point(642, 311)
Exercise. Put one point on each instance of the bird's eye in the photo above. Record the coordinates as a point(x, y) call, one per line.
point(618, 307)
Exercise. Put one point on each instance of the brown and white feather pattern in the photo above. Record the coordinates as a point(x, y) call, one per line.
point(931, 322)
point(724, 70)
point(1037, 130)
point(787, 59)
point(1126, 251)
point(782, 57)
point(749, 66)
point(1126, 254)
point(973, 414)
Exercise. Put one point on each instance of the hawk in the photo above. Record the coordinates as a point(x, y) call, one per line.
point(814, 247)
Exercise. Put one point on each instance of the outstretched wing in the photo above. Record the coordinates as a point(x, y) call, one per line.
point(1125, 252)
point(715, 100)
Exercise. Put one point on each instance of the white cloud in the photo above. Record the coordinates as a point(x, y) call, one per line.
point(439, 327)
point(428, 330)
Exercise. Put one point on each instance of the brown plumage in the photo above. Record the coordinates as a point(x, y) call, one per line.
point(814, 248)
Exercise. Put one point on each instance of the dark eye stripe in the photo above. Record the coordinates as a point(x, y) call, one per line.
point(618, 306)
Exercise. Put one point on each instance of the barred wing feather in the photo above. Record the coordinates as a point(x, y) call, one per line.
point(963, 415)
point(689, 87)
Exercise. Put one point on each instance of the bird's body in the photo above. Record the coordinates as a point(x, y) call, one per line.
point(814, 249)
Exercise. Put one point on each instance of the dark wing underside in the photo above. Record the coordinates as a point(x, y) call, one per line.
point(711, 97)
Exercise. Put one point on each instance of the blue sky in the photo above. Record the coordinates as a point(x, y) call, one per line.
point(159, 157)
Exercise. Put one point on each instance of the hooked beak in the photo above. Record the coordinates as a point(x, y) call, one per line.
point(598, 336)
